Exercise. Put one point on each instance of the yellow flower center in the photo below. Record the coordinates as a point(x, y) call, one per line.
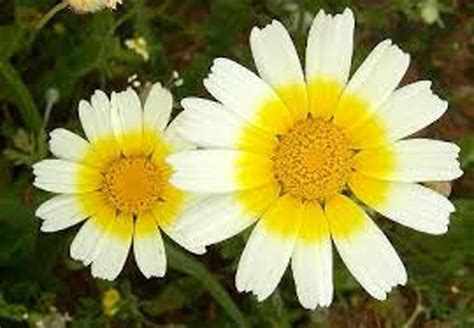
point(313, 160)
point(134, 185)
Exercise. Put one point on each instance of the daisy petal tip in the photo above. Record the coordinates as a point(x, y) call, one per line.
point(348, 12)
point(157, 85)
point(457, 174)
point(55, 132)
point(443, 229)
point(308, 305)
point(36, 184)
point(443, 105)
point(239, 284)
point(37, 165)
point(189, 103)
point(320, 13)
point(276, 24)
point(404, 280)
point(39, 212)
point(199, 250)
point(219, 61)
point(254, 34)
point(382, 296)
point(385, 44)
point(150, 275)
point(102, 274)
point(44, 227)
point(325, 304)
point(260, 297)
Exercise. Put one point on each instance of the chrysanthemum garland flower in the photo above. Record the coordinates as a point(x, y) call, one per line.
point(292, 152)
point(117, 180)
point(89, 6)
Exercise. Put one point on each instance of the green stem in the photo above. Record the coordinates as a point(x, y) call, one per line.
point(20, 95)
point(183, 262)
point(416, 312)
point(45, 19)
point(50, 14)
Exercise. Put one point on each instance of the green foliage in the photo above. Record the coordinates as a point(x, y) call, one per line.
point(19, 94)
point(51, 57)
point(182, 262)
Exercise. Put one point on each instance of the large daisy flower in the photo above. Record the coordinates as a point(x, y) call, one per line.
point(295, 152)
point(117, 180)
point(89, 6)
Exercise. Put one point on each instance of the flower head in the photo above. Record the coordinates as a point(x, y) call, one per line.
point(89, 6)
point(139, 46)
point(117, 181)
point(111, 301)
point(292, 150)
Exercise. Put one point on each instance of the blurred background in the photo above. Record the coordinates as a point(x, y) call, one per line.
point(51, 57)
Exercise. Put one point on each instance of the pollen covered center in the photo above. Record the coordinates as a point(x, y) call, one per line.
point(134, 185)
point(313, 160)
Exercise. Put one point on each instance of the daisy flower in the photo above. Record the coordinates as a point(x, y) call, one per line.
point(90, 6)
point(295, 152)
point(116, 180)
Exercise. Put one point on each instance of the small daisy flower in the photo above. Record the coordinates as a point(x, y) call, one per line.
point(117, 181)
point(90, 6)
point(292, 151)
point(139, 46)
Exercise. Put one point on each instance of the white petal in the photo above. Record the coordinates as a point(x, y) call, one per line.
point(127, 111)
point(329, 48)
point(365, 250)
point(268, 252)
point(311, 261)
point(208, 124)
point(278, 64)
point(172, 232)
point(61, 212)
point(158, 106)
point(408, 110)
point(244, 93)
point(61, 176)
point(222, 216)
point(67, 145)
point(409, 204)
point(95, 118)
point(217, 171)
point(127, 120)
point(114, 249)
point(89, 240)
point(100, 101)
point(328, 61)
point(167, 213)
point(275, 55)
point(411, 160)
point(372, 84)
point(88, 119)
point(173, 136)
point(148, 247)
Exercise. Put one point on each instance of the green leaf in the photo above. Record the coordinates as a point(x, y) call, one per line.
point(182, 262)
point(467, 151)
point(15, 312)
point(273, 310)
point(17, 231)
point(12, 39)
point(20, 95)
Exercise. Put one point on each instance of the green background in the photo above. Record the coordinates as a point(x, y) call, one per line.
point(71, 55)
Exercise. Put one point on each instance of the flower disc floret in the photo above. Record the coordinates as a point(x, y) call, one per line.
point(313, 159)
point(133, 185)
